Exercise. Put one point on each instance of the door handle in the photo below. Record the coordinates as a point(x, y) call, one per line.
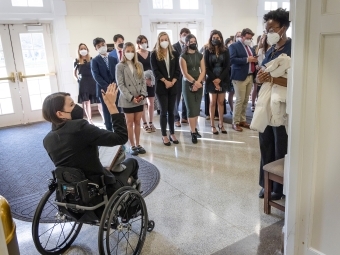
point(22, 77)
point(10, 78)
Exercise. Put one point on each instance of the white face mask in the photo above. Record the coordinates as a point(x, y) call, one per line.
point(183, 39)
point(247, 42)
point(238, 39)
point(129, 55)
point(164, 44)
point(144, 46)
point(83, 52)
point(273, 38)
point(102, 50)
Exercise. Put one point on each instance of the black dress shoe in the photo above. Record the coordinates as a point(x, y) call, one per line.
point(174, 141)
point(261, 194)
point(166, 144)
point(275, 196)
point(194, 138)
point(198, 134)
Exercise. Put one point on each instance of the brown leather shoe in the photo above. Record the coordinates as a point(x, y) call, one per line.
point(178, 124)
point(237, 127)
point(184, 121)
point(244, 124)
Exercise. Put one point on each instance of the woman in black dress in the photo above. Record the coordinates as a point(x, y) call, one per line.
point(144, 57)
point(87, 85)
point(217, 61)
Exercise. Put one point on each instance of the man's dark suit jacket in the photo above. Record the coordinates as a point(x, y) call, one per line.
point(238, 60)
point(75, 144)
point(103, 76)
point(160, 72)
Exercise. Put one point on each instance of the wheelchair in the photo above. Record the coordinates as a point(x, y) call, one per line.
point(72, 200)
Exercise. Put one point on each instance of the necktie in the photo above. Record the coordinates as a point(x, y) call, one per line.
point(120, 55)
point(106, 60)
point(252, 64)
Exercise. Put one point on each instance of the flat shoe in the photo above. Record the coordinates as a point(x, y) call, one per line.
point(141, 150)
point(166, 144)
point(174, 141)
point(261, 194)
point(178, 124)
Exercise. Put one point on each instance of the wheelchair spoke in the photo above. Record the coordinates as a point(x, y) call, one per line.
point(50, 235)
point(55, 224)
point(62, 232)
point(128, 242)
point(117, 242)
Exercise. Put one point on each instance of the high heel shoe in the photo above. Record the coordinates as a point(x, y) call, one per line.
point(166, 144)
point(174, 141)
point(215, 133)
point(222, 130)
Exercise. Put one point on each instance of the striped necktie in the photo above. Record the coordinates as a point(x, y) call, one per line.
point(106, 60)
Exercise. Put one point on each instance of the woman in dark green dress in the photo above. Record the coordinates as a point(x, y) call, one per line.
point(193, 70)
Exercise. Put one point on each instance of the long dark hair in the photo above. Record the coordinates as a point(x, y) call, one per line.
point(210, 47)
point(53, 103)
point(187, 39)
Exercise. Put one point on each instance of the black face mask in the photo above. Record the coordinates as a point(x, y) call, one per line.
point(193, 46)
point(77, 113)
point(216, 42)
point(121, 45)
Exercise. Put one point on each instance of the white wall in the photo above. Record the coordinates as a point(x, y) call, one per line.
point(230, 16)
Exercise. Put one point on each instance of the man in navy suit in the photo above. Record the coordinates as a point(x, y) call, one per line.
point(103, 68)
point(117, 52)
point(243, 61)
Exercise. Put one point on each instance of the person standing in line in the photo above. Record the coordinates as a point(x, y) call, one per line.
point(87, 85)
point(243, 61)
point(117, 52)
point(274, 140)
point(144, 57)
point(103, 68)
point(217, 62)
point(179, 46)
point(132, 87)
point(165, 67)
point(255, 89)
point(193, 70)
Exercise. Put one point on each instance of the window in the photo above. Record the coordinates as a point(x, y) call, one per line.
point(268, 6)
point(28, 3)
point(162, 4)
point(189, 4)
point(286, 5)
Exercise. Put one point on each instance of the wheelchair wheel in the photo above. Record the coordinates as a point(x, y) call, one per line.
point(52, 231)
point(127, 216)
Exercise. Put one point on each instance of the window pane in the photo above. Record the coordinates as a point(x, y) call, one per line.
point(35, 3)
point(3, 71)
point(6, 106)
point(4, 90)
point(19, 2)
point(33, 51)
point(38, 90)
point(162, 4)
point(189, 4)
point(268, 6)
point(28, 3)
point(169, 32)
point(286, 5)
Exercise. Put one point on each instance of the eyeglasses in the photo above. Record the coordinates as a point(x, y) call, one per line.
point(270, 31)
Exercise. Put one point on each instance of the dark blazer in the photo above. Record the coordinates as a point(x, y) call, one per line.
point(159, 70)
point(224, 76)
point(103, 76)
point(114, 54)
point(75, 144)
point(177, 46)
point(238, 59)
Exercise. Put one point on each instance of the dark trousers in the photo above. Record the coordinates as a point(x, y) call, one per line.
point(167, 104)
point(178, 100)
point(130, 170)
point(106, 113)
point(273, 146)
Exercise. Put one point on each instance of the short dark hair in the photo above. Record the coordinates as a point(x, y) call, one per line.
point(185, 30)
point(53, 103)
point(280, 15)
point(97, 40)
point(227, 41)
point(247, 31)
point(117, 36)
